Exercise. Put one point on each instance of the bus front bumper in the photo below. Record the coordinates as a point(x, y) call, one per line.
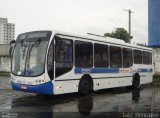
point(46, 88)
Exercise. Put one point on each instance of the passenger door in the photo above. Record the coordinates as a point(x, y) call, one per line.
point(63, 55)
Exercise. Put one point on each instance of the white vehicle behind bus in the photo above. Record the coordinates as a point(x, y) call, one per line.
point(52, 62)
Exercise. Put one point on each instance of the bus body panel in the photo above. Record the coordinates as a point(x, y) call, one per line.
point(33, 85)
point(46, 88)
point(102, 77)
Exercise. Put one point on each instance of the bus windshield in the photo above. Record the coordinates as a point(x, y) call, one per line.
point(29, 57)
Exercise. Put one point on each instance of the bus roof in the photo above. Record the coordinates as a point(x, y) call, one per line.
point(101, 39)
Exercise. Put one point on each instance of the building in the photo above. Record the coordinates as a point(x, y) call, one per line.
point(154, 20)
point(5, 60)
point(154, 31)
point(7, 31)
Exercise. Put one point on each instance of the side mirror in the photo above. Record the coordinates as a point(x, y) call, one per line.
point(12, 45)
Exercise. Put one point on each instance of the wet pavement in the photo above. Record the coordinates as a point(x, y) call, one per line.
point(119, 102)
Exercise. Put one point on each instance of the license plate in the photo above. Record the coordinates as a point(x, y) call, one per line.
point(24, 87)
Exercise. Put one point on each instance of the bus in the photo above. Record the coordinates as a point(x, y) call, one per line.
point(54, 62)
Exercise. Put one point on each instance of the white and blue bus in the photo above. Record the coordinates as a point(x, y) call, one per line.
point(53, 62)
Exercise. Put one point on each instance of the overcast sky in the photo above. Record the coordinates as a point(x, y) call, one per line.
point(77, 16)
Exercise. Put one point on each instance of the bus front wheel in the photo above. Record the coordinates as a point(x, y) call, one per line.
point(85, 86)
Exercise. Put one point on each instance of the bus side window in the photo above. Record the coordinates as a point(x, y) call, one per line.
point(146, 58)
point(101, 56)
point(127, 58)
point(150, 58)
point(50, 61)
point(83, 54)
point(115, 57)
point(63, 56)
point(137, 57)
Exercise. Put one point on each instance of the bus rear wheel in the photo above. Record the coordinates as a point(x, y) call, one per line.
point(136, 81)
point(85, 86)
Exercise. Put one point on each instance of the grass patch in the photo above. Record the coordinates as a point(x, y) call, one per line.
point(2, 73)
point(156, 79)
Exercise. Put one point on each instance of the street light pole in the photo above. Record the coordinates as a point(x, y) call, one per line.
point(129, 24)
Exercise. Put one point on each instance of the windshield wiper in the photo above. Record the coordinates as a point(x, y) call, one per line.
point(23, 47)
point(36, 44)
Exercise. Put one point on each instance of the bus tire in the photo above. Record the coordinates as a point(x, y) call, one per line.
point(85, 86)
point(136, 81)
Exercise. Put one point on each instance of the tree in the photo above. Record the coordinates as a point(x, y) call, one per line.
point(120, 33)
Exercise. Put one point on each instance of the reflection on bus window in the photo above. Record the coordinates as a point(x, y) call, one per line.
point(100, 55)
point(150, 58)
point(127, 58)
point(83, 54)
point(64, 58)
point(50, 66)
point(137, 57)
point(115, 57)
point(35, 60)
point(63, 50)
point(146, 58)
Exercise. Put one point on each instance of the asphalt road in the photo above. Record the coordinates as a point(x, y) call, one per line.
point(119, 102)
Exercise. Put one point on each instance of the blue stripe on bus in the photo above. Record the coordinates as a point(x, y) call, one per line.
point(46, 88)
point(144, 70)
point(96, 70)
point(105, 70)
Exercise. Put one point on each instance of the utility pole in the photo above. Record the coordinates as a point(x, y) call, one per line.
point(129, 24)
